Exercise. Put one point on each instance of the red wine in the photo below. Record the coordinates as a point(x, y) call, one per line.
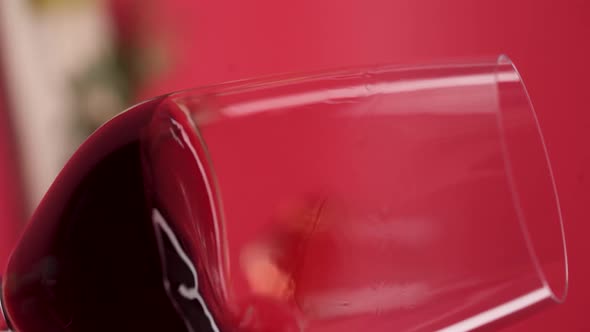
point(99, 269)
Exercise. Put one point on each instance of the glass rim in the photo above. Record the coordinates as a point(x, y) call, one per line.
point(557, 297)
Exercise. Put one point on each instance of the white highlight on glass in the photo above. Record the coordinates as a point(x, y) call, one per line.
point(500, 311)
point(210, 196)
point(188, 293)
point(357, 91)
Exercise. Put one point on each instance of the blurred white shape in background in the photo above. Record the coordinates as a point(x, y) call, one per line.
point(44, 49)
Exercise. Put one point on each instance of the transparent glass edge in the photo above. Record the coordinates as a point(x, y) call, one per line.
point(216, 199)
point(504, 60)
point(4, 324)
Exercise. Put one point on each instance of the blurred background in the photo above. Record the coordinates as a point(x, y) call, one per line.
point(67, 66)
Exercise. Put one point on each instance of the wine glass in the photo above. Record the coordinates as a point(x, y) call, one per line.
point(390, 198)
